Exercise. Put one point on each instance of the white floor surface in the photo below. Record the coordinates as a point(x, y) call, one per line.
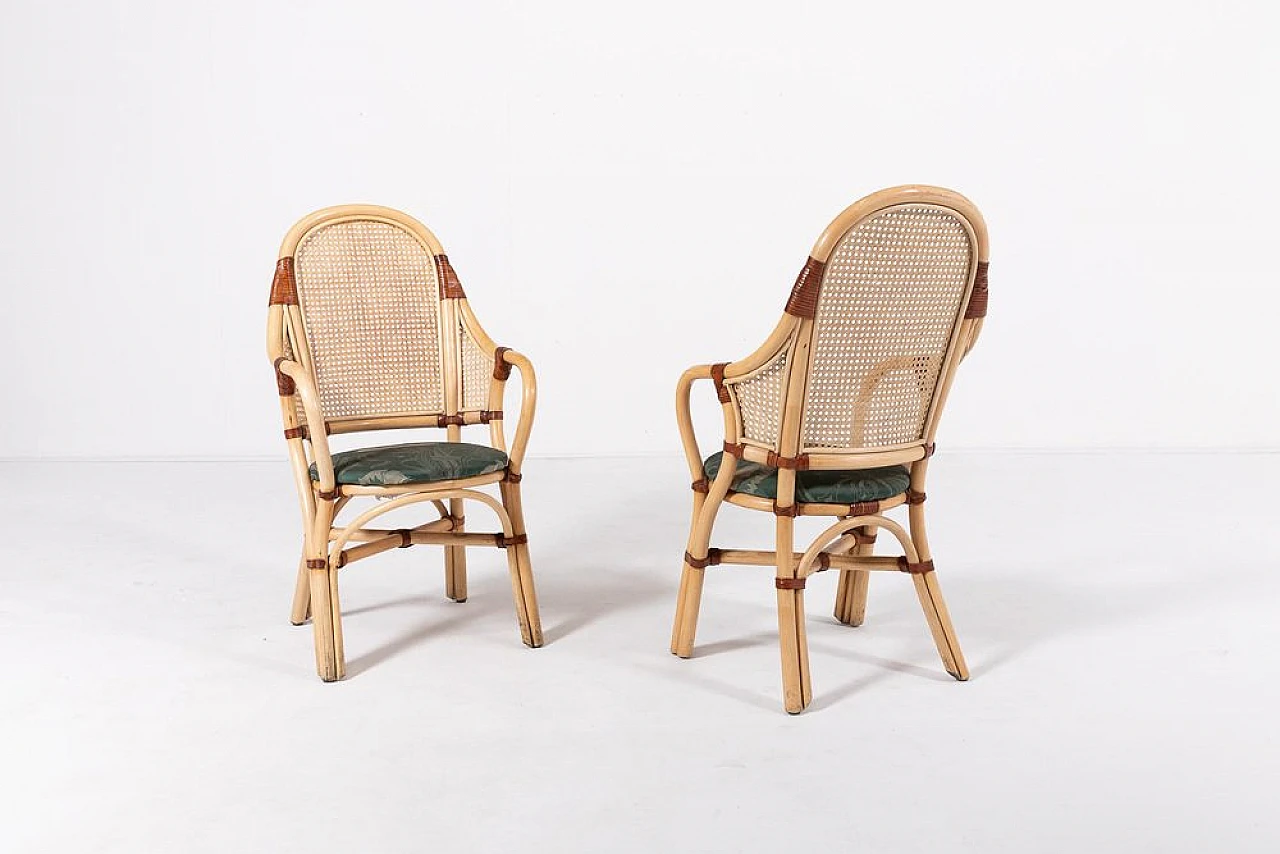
point(1119, 614)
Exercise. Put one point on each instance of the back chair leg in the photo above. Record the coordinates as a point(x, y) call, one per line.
point(522, 589)
point(797, 690)
point(689, 599)
point(935, 609)
point(301, 594)
point(851, 595)
point(455, 559)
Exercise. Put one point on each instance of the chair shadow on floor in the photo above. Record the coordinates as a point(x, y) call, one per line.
point(1000, 617)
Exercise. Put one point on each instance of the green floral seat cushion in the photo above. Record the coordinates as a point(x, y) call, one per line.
point(819, 487)
point(416, 462)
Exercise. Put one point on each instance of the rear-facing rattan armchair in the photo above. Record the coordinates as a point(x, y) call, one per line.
point(368, 330)
point(835, 414)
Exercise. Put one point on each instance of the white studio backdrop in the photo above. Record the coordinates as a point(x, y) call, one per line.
point(626, 191)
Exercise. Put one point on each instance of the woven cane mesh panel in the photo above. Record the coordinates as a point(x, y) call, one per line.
point(371, 308)
point(477, 372)
point(760, 400)
point(890, 299)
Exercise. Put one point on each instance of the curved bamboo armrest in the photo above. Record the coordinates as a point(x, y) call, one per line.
point(306, 389)
point(528, 403)
point(684, 418)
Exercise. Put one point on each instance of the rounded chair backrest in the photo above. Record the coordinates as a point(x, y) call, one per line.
point(893, 290)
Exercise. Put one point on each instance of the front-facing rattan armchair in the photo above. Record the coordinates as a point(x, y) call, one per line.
point(369, 330)
point(835, 414)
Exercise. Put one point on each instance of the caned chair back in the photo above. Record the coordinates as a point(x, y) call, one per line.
point(373, 308)
point(888, 302)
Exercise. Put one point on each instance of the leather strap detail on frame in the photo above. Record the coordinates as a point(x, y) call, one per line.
point(504, 542)
point(864, 508)
point(824, 562)
point(717, 377)
point(712, 559)
point(703, 485)
point(789, 583)
point(978, 297)
point(862, 539)
point(450, 287)
point(800, 463)
point(510, 476)
point(487, 415)
point(406, 538)
point(929, 448)
point(914, 497)
point(284, 289)
point(501, 370)
point(450, 420)
point(733, 450)
point(915, 568)
point(284, 382)
point(328, 496)
point(792, 511)
point(317, 563)
point(804, 294)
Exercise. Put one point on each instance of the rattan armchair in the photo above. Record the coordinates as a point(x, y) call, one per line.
point(835, 414)
point(369, 330)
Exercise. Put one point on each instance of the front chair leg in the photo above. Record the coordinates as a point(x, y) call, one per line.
point(851, 595)
point(797, 689)
point(689, 599)
point(301, 594)
point(522, 588)
point(930, 594)
point(326, 620)
point(455, 558)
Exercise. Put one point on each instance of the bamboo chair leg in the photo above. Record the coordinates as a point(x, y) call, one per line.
point(944, 634)
point(689, 599)
point(326, 622)
point(851, 595)
point(935, 609)
point(455, 560)
point(797, 690)
point(522, 588)
point(301, 594)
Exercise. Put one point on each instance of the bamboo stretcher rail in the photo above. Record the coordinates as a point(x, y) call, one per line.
point(751, 557)
point(368, 534)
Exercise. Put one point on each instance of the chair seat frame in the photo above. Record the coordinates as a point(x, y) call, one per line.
point(329, 546)
point(847, 545)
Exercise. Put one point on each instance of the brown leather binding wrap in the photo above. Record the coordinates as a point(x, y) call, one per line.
point(712, 559)
point(915, 568)
point(450, 287)
point(284, 382)
point(703, 485)
point(406, 539)
point(864, 508)
point(929, 448)
point(501, 370)
point(824, 562)
point(487, 415)
point(792, 511)
point(914, 497)
point(733, 450)
point(800, 463)
point(717, 377)
point(804, 294)
point(450, 420)
point(317, 563)
point(789, 583)
point(328, 496)
point(284, 290)
point(511, 476)
point(504, 542)
point(295, 432)
point(862, 539)
point(978, 297)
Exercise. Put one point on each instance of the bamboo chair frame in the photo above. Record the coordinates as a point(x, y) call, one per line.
point(328, 546)
point(847, 545)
